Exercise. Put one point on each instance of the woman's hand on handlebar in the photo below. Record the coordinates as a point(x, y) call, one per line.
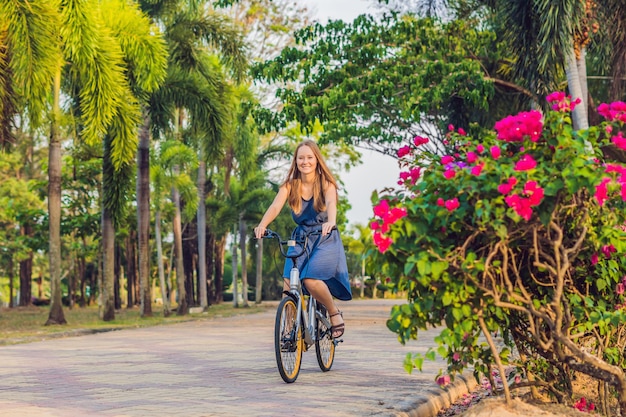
point(259, 231)
point(327, 228)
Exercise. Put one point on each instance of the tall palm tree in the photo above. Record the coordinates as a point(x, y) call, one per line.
point(542, 36)
point(30, 59)
point(144, 52)
point(194, 89)
point(80, 44)
point(167, 175)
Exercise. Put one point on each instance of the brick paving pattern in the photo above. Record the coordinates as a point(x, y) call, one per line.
point(218, 367)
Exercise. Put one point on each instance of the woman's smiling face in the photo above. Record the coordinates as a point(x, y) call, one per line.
point(306, 160)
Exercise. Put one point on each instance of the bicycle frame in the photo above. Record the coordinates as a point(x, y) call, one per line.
point(295, 291)
point(307, 320)
point(299, 322)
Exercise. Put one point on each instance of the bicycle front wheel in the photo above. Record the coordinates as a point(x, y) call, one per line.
point(288, 341)
point(324, 344)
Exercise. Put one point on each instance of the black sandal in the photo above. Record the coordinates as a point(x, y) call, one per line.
point(338, 328)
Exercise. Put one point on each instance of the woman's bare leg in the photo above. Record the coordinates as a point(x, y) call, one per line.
point(319, 290)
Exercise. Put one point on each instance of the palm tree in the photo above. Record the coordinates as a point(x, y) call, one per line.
point(543, 37)
point(146, 55)
point(143, 52)
point(167, 175)
point(78, 41)
point(25, 77)
point(192, 88)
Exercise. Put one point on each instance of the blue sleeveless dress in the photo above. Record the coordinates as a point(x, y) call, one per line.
point(327, 260)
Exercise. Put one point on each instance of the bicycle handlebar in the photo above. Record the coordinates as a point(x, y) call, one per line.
point(270, 234)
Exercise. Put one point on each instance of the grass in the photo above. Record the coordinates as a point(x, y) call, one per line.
point(27, 324)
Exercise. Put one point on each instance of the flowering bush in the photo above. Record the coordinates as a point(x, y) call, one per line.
point(520, 232)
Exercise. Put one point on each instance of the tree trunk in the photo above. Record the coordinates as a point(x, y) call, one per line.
point(178, 247)
point(190, 264)
point(581, 67)
point(131, 268)
point(164, 287)
point(26, 281)
point(580, 119)
point(220, 256)
point(107, 304)
point(55, 315)
point(109, 294)
point(11, 304)
point(210, 266)
point(202, 263)
point(244, 259)
point(234, 265)
point(259, 271)
point(143, 216)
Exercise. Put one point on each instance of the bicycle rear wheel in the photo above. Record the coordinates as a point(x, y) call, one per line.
point(288, 341)
point(324, 344)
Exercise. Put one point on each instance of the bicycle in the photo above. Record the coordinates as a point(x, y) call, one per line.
point(296, 330)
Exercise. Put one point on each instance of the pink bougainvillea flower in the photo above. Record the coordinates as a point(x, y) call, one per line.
point(471, 157)
point(615, 111)
point(477, 169)
point(505, 188)
point(461, 131)
point(418, 141)
point(495, 152)
point(523, 125)
point(440, 202)
point(456, 356)
point(601, 194)
point(452, 204)
point(381, 209)
point(403, 151)
point(443, 380)
point(556, 97)
point(447, 159)
point(594, 259)
point(415, 174)
point(449, 173)
point(526, 163)
point(382, 242)
point(607, 250)
point(562, 102)
point(624, 191)
point(615, 168)
point(451, 127)
point(619, 141)
point(520, 205)
point(374, 225)
point(619, 289)
point(584, 406)
point(534, 193)
point(480, 148)
point(395, 214)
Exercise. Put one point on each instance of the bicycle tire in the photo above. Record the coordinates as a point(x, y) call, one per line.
point(324, 344)
point(288, 342)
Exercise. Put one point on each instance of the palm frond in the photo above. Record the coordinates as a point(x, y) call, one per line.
point(30, 45)
point(142, 43)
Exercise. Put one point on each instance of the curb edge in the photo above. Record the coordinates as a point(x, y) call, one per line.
point(438, 399)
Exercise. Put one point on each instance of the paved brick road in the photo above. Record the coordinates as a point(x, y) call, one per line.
point(217, 367)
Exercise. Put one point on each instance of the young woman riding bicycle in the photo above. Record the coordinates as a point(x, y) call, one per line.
point(311, 192)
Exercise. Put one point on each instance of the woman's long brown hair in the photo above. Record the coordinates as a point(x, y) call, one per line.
point(323, 178)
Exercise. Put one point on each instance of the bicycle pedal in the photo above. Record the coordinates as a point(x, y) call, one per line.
point(337, 341)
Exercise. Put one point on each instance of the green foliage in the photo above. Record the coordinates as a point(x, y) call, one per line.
point(539, 259)
point(360, 79)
